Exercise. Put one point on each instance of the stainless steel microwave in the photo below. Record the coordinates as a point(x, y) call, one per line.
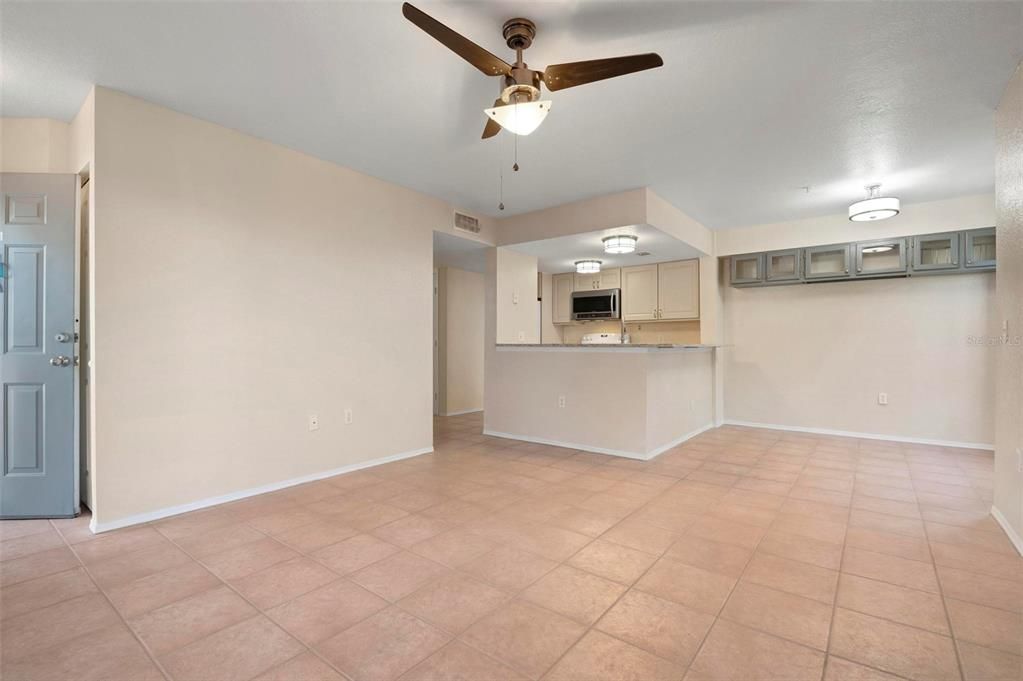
point(601, 304)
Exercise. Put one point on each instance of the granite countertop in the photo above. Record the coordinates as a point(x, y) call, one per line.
point(607, 346)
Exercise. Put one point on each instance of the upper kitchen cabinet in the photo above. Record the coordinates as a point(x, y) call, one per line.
point(783, 266)
point(826, 262)
point(936, 252)
point(609, 278)
point(668, 291)
point(678, 290)
point(881, 257)
point(980, 248)
point(562, 286)
point(747, 269)
point(639, 293)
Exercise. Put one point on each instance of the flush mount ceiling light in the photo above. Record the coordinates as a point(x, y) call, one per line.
point(622, 243)
point(587, 266)
point(874, 207)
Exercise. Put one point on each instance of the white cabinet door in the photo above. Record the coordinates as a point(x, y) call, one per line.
point(639, 293)
point(562, 285)
point(678, 290)
point(585, 282)
point(611, 278)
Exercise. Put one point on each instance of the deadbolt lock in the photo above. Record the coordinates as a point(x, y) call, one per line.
point(62, 337)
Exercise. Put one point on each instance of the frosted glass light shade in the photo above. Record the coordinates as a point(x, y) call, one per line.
point(874, 209)
point(587, 266)
point(623, 243)
point(521, 118)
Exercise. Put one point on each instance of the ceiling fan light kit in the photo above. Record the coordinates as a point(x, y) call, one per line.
point(519, 109)
point(874, 207)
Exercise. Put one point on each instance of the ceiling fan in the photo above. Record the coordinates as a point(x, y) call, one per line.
point(519, 109)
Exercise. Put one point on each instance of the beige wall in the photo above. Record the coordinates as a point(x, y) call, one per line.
point(461, 319)
point(240, 287)
point(33, 145)
point(965, 212)
point(1009, 401)
point(817, 355)
point(518, 311)
point(602, 212)
point(550, 333)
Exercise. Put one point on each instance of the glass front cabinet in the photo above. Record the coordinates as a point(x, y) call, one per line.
point(748, 269)
point(936, 252)
point(980, 249)
point(826, 262)
point(881, 257)
point(783, 266)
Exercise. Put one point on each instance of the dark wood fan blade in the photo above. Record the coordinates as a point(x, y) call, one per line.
point(561, 76)
point(457, 43)
point(492, 127)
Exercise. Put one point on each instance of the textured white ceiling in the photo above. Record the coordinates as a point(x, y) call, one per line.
point(755, 100)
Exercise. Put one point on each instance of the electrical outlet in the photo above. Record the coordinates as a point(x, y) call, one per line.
point(522, 336)
point(882, 398)
point(348, 416)
point(561, 401)
point(314, 422)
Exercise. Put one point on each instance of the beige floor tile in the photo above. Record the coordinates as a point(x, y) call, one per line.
point(354, 553)
point(136, 565)
point(794, 577)
point(304, 667)
point(662, 627)
point(823, 554)
point(552, 543)
point(798, 619)
point(236, 653)
point(327, 611)
point(282, 582)
point(524, 636)
point(458, 662)
point(977, 560)
point(641, 536)
point(981, 589)
point(837, 669)
point(316, 535)
point(995, 541)
point(411, 529)
point(454, 548)
point(508, 568)
point(27, 544)
point(398, 575)
point(817, 510)
point(383, 646)
point(894, 648)
point(576, 594)
point(613, 561)
point(11, 529)
point(110, 654)
point(811, 528)
point(986, 664)
point(34, 594)
point(590, 523)
point(899, 604)
point(248, 558)
point(903, 546)
point(188, 620)
point(881, 522)
point(54, 624)
point(453, 602)
point(36, 565)
point(732, 652)
point(206, 543)
point(892, 569)
point(691, 586)
point(727, 531)
point(988, 627)
point(118, 543)
point(599, 657)
point(154, 591)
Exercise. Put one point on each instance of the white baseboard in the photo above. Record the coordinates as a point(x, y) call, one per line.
point(242, 494)
point(464, 411)
point(641, 456)
point(863, 436)
point(1016, 540)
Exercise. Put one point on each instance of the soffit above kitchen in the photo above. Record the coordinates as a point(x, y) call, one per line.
point(755, 101)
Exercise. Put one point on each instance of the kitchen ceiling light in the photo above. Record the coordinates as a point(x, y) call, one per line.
point(874, 207)
point(878, 249)
point(520, 118)
point(622, 243)
point(587, 266)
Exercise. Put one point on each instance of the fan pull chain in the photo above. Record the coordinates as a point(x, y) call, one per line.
point(500, 205)
point(516, 166)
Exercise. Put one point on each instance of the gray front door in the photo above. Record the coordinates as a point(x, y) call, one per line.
point(37, 350)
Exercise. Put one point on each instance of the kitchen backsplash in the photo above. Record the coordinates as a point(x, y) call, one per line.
point(640, 332)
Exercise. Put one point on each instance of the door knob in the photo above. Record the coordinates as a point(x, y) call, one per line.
point(60, 361)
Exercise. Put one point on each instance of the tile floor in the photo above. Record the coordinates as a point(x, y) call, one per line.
point(742, 554)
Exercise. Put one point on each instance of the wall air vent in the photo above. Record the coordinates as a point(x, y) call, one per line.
point(644, 254)
point(467, 223)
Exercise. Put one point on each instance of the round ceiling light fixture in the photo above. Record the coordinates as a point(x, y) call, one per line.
point(620, 244)
point(587, 266)
point(874, 207)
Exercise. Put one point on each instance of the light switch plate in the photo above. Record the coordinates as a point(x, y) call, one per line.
point(314, 422)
